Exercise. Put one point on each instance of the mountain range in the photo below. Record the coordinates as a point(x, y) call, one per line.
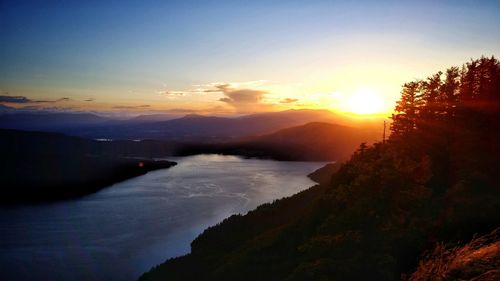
point(196, 128)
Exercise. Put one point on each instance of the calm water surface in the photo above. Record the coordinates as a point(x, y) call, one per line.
point(124, 230)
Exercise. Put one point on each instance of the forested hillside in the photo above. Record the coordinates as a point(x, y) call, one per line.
point(315, 141)
point(434, 180)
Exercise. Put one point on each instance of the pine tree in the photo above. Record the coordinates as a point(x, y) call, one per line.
point(407, 109)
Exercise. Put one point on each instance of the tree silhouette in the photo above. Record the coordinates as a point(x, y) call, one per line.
point(469, 96)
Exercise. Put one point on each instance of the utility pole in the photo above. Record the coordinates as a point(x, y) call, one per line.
point(383, 136)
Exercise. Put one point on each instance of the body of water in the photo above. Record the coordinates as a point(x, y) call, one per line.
point(124, 230)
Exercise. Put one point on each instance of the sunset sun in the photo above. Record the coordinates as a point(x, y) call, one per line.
point(365, 101)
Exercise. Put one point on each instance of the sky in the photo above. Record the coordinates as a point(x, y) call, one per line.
point(232, 57)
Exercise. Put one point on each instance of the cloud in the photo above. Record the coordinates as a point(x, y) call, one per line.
point(289, 100)
point(29, 105)
point(52, 101)
point(243, 100)
point(89, 99)
point(48, 109)
point(172, 94)
point(132, 106)
point(213, 87)
point(246, 84)
point(14, 99)
point(178, 110)
point(241, 96)
point(23, 99)
point(63, 99)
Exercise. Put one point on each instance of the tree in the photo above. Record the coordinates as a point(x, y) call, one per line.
point(407, 109)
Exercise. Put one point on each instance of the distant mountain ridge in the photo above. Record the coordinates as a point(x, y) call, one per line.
point(194, 127)
point(191, 127)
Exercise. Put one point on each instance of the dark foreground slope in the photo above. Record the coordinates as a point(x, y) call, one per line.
point(316, 141)
point(44, 166)
point(435, 180)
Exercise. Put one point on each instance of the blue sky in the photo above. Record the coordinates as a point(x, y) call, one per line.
point(172, 55)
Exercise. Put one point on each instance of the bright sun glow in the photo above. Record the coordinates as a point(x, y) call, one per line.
point(365, 101)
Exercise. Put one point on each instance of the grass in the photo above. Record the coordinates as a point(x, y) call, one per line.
point(478, 260)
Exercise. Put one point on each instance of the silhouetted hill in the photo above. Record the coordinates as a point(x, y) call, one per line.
point(310, 142)
point(39, 166)
point(435, 179)
point(319, 141)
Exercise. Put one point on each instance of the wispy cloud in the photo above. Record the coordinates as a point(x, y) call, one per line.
point(51, 101)
point(213, 87)
point(172, 94)
point(177, 110)
point(47, 109)
point(11, 103)
point(23, 99)
point(245, 84)
point(14, 99)
point(132, 106)
point(289, 100)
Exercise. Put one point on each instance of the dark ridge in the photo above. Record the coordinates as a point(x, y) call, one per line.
point(38, 167)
